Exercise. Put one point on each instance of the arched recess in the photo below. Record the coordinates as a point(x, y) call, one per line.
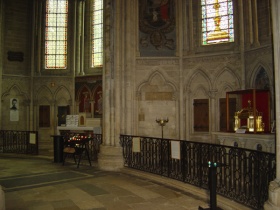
point(14, 90)
point(63, 102)
point(44, 119)
point(44, 96)
point(262, 78)
point(157, 79)
point(225, 81)
point(198, 79)
point(16, 120)
point(197, 103)
point(62, 96)
point(157, 99)
point(261, 70)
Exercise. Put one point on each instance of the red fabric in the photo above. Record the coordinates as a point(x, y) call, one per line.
point(262, 105)
point(164, 12)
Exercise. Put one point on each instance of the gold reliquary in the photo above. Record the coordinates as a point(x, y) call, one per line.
point(248, 115)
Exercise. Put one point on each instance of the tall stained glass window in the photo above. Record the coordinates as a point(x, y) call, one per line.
point(97, 33)
point(56, 34)
point(217, 21)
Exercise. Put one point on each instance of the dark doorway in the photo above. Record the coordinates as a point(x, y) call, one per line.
point(62, 112)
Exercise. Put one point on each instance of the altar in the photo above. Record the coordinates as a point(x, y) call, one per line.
point(77, 129)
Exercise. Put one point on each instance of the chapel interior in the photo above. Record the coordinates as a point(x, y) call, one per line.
point(143, 61)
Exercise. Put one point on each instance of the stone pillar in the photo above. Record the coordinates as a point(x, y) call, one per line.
point(255, 23)
point(78, 25)
point(1, 53)
point(273, 202)
point(110, 156)
point(82, 36)
point(212, 114)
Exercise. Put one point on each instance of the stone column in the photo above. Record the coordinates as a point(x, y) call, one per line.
point(82, 36)
point(1, 53)
point(78, 22)
point(180, 99)
point(242, 41)
point(110, 156)
point(273, 202)
point(212, 114)
point(255, 23)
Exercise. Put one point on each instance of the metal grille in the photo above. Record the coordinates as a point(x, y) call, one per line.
point(18, 142)
point(244, 176)
point(94, 146)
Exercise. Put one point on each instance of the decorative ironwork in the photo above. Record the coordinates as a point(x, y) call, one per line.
point(18, 142)
point(244, 177)
point(94, 146)
point(162, 122)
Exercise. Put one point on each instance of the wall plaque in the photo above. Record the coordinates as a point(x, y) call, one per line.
point(15, 56)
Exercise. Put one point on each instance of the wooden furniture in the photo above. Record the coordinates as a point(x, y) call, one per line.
point(76, 146)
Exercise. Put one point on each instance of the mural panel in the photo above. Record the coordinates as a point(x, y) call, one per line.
point(157, 27)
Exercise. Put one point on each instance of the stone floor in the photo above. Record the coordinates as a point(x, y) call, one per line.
point(37, 183)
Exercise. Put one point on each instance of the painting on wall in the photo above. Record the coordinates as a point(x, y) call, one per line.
point(88, 91)
point(14, 107)
point(157, 27)
point(98, 102)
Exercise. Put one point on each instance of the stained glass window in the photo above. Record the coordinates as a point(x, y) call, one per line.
point(97, 33)
point(217, 21)
point(56, 34)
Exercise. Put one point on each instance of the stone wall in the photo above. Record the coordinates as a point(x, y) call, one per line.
point(138, 88)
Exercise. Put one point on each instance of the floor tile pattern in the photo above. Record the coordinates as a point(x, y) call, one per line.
point(36, 183)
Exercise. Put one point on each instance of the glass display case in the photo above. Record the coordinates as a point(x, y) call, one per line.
point(252, 111)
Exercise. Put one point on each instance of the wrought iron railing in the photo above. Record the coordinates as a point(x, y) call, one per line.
point(21, 142)
point(94, 146)
point(244, 175)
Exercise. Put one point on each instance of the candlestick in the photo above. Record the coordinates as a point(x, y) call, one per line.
point(162, 122)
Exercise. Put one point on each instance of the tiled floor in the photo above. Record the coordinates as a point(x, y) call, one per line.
point(36, 183)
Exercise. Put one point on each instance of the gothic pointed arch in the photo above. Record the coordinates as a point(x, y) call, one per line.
point(198, 80)
point(156, 99)
point(15, 90)
point(157, 79)
point(62, 95)
point(14, 93)
point(227, 78)
point(44, 95)
point(200, 90)
point(260, 78)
